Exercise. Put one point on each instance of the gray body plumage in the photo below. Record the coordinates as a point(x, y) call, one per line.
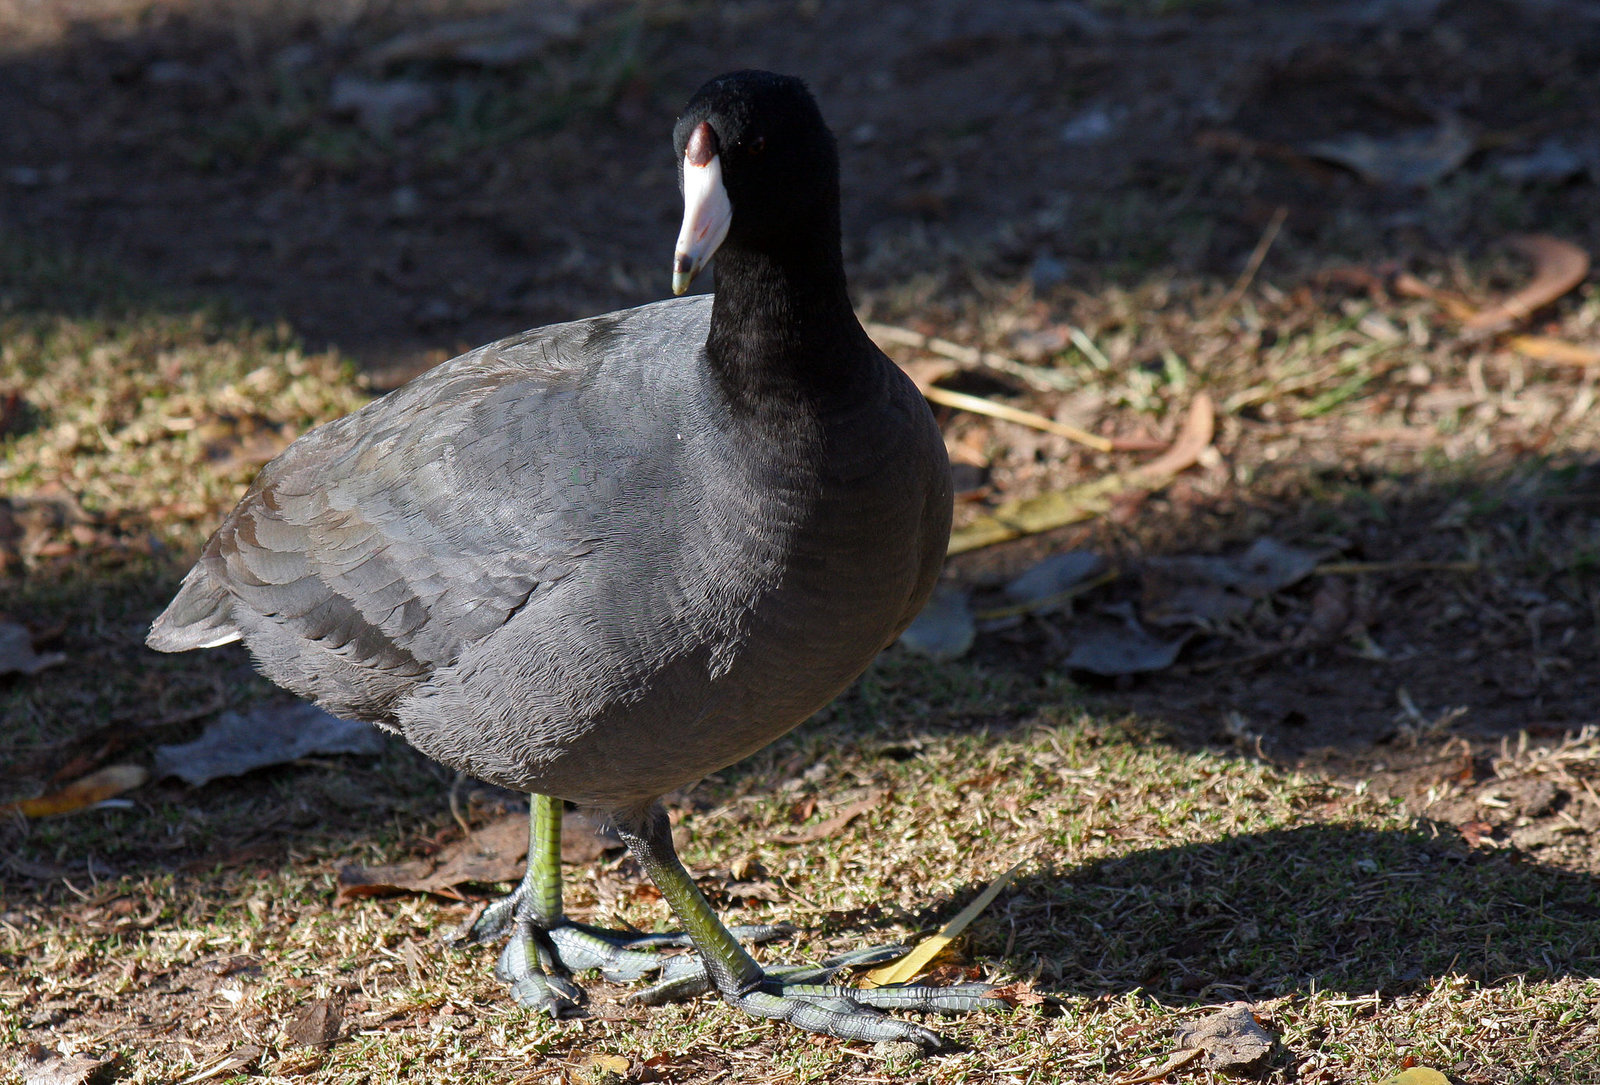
point(568, 563)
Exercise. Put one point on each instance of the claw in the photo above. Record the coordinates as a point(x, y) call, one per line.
point(525, 965)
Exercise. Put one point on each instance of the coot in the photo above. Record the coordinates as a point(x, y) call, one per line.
point(599, 560)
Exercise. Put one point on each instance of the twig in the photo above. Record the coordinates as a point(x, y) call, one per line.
point(1346, 568)
point(1036, 377)
point(455, 804)
point(1547, 348)
point(1030, 515)
point(979, 405)
point(1248, 275)
point(1046, 601)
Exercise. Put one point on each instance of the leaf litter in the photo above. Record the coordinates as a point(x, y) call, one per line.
point(17, 654)
point(489, 855)
point(277, 734)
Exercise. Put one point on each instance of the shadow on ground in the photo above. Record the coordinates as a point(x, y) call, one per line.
point(1323, 908)
point(387, 182)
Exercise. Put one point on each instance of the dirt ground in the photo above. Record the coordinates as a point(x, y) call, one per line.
point(400, 181)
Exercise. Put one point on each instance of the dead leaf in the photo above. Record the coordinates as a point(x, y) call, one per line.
point(609, 1066)
point(1028, 516)
point(1054, 575)
point(272, 735)
point(1017, 994)
point(17, 655)
point(1417, 1075)
point(1412, 159)
point(317, 1023)
point(945, 629)
point(46, 1066)
point(495, 853)
point(1546, 348)
point(1558, 266)
point(913, 964)
point(356, 881)
point(1232, 1039)
point(1332, 608)
point(585, 837)
point(1109, 649)
point(1199, 426)
point(83, 792)
point(823, 830)
point(1477, 834)
point(1203, 590)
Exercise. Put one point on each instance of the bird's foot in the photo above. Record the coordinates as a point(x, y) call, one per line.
point(802, 996)
point(629, 956)
point(530, 968)
point(541, 953)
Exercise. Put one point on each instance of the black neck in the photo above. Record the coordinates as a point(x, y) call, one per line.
point(782, 325)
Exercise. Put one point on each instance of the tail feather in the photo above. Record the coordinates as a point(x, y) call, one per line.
point(200, 616)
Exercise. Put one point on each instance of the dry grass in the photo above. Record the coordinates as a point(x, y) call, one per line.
point(1172, 860)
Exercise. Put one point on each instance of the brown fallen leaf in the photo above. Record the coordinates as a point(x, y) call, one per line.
point(823, 830)
point(1232, 1038)
point(1558, 266)
point(1028, 516)
point(1545, 348)
point(1017, 994)
point(42, 1065)
point(1199, 427)
point(1477, 834)
point(82, 792)
point(317, 1023)
point(495, 853)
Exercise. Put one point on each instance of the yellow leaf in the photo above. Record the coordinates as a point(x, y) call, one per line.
point(610, 1065)
point(1417, 1075)
point(82, 792)
point(1546, 348)
point(912, 964)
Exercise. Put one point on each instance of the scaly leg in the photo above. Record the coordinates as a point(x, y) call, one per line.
point(544, 947)
point(846, 1012)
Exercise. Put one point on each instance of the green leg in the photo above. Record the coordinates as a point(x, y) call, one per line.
point(845, 1012)
point(543, 946)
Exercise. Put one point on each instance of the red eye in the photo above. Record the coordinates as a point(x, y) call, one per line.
point(757, 145)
